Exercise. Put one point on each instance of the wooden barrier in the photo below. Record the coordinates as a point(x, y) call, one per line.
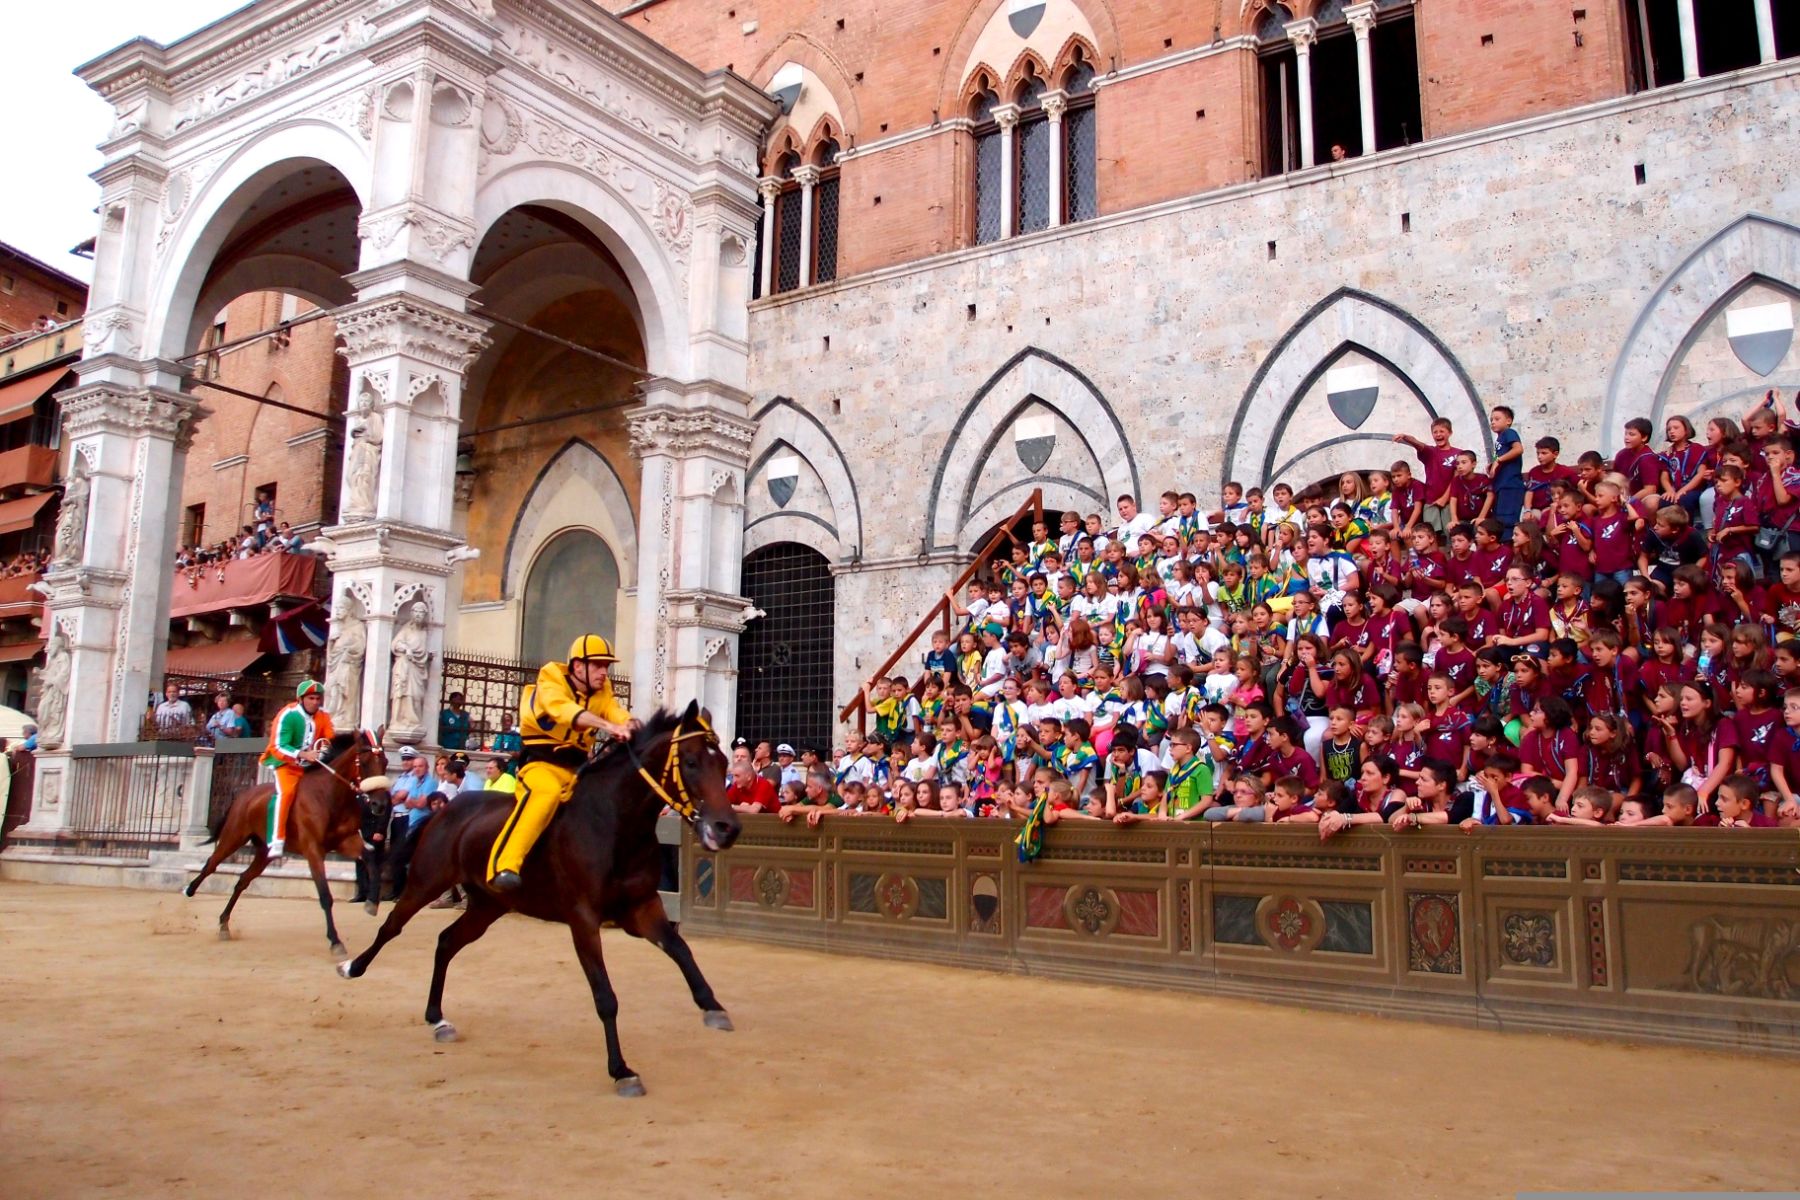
point(1689, 937)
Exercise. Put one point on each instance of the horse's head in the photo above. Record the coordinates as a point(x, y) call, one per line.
point(362, 764)
point(687, 768)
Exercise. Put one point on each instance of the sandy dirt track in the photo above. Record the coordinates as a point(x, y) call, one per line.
point(142, 1057)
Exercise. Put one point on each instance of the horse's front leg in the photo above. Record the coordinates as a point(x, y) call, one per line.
point(315, 861)
point(584, 927)
point(651, 922)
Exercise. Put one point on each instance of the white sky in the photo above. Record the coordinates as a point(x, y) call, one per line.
point(53, 122)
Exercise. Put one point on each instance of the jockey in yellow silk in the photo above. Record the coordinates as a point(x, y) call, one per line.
point(560, 715)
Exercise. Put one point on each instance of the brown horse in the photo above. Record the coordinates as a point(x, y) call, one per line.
point(326, 815)
point(597, 861)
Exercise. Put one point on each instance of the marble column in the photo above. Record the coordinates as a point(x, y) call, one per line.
point(1007, 117)
point(1690, 39)
point(770, 189)
point(1362, 21)
point(1055, 104)
point(809, 180)
point(1303, 34)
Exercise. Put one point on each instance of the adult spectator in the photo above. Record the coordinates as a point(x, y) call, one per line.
point(764, 761)
point(226, 721)
point(412, 794)
point(507, 741)
point(468, 778)
point(750, 792)
point(174, 716)
point(496, 778)
point(791, 771)
point(30, 742)
point(453, 724)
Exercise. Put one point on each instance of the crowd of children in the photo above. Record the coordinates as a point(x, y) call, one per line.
point(1612, 642)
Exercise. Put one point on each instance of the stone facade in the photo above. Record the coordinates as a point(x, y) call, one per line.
point(1523, 265)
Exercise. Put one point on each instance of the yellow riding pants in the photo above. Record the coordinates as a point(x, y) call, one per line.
point(543, 787)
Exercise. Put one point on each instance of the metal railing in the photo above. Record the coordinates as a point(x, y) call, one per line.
point(127, 799)
point(236, 766)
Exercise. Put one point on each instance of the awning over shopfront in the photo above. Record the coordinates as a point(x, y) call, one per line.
point(212, 658)
point(242, 583)
point(19, 397)
point(21, 651)
point(21, 514)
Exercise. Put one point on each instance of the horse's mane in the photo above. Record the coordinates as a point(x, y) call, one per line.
point(340, 744)
point(659, 723)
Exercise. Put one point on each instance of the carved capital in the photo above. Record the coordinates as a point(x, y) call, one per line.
point(679, 433)
point(413, 327)
point(1303, 34)
point(1055, 104)
point(807, 176)
point(1006, 115)
point(103, 408)
point(770, 187)
point(1361, 18)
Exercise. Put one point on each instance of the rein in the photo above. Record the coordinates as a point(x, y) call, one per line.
point(359, 782)
point(681, 801)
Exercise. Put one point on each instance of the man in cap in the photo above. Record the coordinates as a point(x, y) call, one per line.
point(560, 715)
point(293, 734)
point(791, 771)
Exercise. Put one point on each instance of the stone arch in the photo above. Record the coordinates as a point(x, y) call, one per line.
point(207, 218)
point(1028, 59)
point(1032, 376)
point(1752, 249)
point(548, 586)
point(577, 465)
point(983, 35)
point(782, 424)
point(306, 278)
point(618, 225)
point(1344, 321)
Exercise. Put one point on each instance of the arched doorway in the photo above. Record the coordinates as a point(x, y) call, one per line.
point(785, 657)
point(573, 589)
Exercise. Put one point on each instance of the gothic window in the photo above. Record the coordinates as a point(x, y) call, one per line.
point(573, 586)
point(1080, 194)
point(1031, 163)
point(1331, 89)
point(785, 658)
point(825, 214)
point(987, 166)
point(1726, 38)
point(787, 226)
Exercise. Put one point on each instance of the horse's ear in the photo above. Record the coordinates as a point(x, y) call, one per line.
point(693, 710)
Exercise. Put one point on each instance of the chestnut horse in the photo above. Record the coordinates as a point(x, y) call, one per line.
point(326, 815)
point(597, 861)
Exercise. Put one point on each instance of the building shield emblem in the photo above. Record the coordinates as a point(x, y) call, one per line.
point(1024, 15)
point(1352, 392)
point(1034, 438)
point(782, 475)
point(1760, 335)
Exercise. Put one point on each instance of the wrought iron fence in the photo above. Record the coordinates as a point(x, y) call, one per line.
point(126, 799)
point(490, 688)
point(236, 765)
point(261, 696)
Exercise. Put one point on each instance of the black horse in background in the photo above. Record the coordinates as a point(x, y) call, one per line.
point(597, 861)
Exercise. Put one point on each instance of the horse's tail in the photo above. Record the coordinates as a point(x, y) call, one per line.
point(217, 825)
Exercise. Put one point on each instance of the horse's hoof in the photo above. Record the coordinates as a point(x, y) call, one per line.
point(369, 907)
point(343, 969)
point(188, 891)
point(716, 1019)
point(631, 1087)
point(338, 952)
point(443, 1031)
point(224, 933)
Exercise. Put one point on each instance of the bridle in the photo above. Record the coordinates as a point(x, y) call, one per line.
point(671, 772)
point(354, 781)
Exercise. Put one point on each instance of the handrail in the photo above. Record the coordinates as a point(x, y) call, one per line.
point(1033, 504)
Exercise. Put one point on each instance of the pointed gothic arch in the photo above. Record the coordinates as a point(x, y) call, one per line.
point(1030, 377)
point(1347, 320)
point(783, 426)
point(1752, 249)
point(577, 467)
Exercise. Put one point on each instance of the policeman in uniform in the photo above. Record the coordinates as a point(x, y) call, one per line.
point(559, 718)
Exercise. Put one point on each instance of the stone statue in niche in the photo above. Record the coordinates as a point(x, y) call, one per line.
point(53, 688)
point(71, 519)
point(344, 655)
point(411, 672)
point(362, 473)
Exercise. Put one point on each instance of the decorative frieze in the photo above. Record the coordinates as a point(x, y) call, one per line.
point(413, 327)
point(679, 433)
point(353, 34)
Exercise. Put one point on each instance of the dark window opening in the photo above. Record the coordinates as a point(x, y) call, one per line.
point(1653, 31)
point(1726, 33)
point(1032, 141)
point(1281, 112)
point(825, 247)
point(1393, 45)
point(1336, 97)
point(787, 227)
point(193, 525)
point(785, 658)
point(1080, 185)
point(987, 186)
point(1787, 28)
point(756, 274)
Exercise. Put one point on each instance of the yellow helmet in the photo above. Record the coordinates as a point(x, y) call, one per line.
point(593, 646)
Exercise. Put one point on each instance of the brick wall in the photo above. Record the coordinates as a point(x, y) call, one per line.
point(902, 63)
point(241, 445)
point(32, 294)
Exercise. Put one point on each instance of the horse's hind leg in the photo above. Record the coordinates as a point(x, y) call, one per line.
point(222, 850)
point(585, 929)
point(650, 922)
point(469, 927)
point(250, 873)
